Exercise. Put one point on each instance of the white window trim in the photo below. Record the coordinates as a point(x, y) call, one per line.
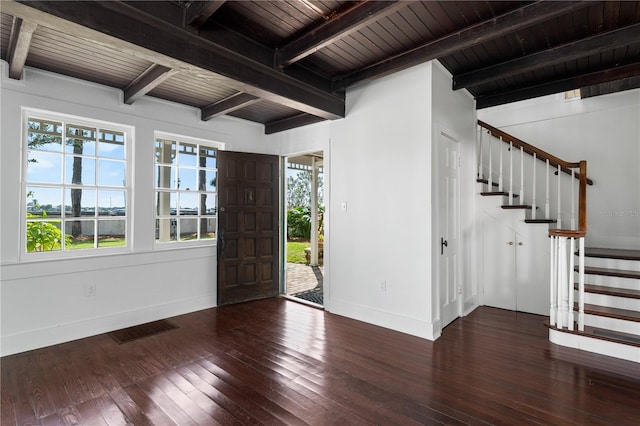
point(129, 132)
point(176, 245)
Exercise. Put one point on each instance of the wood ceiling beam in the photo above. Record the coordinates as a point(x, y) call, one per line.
point(225, 106)
point(338, 26)
point(19, 43)
point(292, 122)
point(198, 12)
point(558, 86)
point(559, 54)
point(122, 26)
point(146, 82)
point(470, 36)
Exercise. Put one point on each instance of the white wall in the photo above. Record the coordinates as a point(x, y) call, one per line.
point(380, 166)
point(43, 302)
point(605, 131)
point(454, 112)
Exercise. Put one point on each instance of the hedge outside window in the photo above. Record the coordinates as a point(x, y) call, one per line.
point(186, 181)
point(75, 185)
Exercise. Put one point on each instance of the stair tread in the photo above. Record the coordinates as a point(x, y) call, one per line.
point(486, 182)
point(610, 272)
point(540, 221)
point(503, 193)
point(602, 334)
point(611, 291)
point(607, 311)
point(610, 253)
point(516, 206)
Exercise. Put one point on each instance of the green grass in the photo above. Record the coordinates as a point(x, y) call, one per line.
point(114, 242)
point(295, 251)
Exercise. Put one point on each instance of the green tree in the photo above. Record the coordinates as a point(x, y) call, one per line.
point(299, 189)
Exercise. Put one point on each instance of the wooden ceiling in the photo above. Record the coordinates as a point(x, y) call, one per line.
point(288, 63)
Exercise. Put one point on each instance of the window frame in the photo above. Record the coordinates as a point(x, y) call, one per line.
point(128, 161)
point(177, 138)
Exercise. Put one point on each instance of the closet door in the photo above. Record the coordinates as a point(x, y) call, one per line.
point(499, 259)
point(532, 273)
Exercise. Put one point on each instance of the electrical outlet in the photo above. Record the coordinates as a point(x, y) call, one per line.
point(89, 290)
point(383, 285)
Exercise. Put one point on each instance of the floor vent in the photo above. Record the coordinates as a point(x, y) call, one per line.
point(143, 330)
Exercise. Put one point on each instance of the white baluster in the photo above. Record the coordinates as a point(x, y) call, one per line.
point(533, 188)
point(479, 138)
point(562, 281)
point(490, 178)
point(501, 149)
point(571, 285)
point(510, 173)
point(573, 199)
point(553, 280)
point(546, 196)
point(559, 199)
point(521, 175)
point(581, 285)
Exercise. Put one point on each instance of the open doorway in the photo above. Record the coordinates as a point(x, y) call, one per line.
point(304, 248)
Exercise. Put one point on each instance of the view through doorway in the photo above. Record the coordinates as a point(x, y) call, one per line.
point(305, 230)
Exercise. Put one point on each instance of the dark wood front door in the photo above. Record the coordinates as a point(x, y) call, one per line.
point(248, 224)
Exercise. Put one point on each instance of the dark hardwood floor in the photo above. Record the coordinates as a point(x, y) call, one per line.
point(279, 362)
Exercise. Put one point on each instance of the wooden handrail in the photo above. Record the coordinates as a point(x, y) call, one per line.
point(530, 149)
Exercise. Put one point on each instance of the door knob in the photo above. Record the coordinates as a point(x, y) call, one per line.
point(443, 243)
point(510, 243)
point(520, 243)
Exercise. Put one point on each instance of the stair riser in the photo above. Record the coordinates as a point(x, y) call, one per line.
point(612, 301)
point(626, 283)
point(630, 353)
point(613, 324)
point(628, 265)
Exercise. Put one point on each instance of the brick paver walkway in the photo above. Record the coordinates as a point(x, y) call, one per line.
point(302, 277)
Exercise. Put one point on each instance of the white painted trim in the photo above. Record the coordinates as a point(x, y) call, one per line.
point(602, 347)
point(412, 326)
point(61, 333)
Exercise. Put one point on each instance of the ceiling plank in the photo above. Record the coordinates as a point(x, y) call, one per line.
point(470, 36)
point(338, 26)
point(19, 43)
point(198, 12)
point(122, 26)
point(555, 55)
point(230, 104)
point(292, 122)
point(146, 82)
point(558, 86)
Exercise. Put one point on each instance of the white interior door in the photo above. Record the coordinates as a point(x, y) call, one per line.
point(499, 275)
point(532, 276)
point(448, 198)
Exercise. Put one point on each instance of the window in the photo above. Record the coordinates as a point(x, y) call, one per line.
point(186, 180)
point(75, 184)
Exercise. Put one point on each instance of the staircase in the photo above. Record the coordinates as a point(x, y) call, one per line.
point(593, 293)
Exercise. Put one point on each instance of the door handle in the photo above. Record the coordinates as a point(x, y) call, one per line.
point(443, 243)
point(221, 242)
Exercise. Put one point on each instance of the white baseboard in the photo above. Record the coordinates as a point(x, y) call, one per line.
point(413, 326)
point(61, 333)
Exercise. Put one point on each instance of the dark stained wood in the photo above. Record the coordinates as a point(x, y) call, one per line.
point(609, 253)
point(146, 82)
point(279, 362)
point(557, 54)
point(496, 193)
point(337, 26)
point(462, 38)
point(290, 123)
point(121, 20)
point(612, 291)
point(18, 49)
point(227, 105)
point(557, 85)
point(198, 12)
point(610, 272)
point(602, 334)
point(606, 311)
point(248, 226)
point(516, 207)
